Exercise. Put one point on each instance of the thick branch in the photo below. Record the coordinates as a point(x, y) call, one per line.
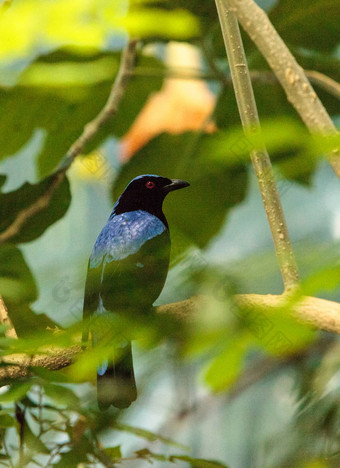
point(291, 76)
point(91, 129)
point(259, 156)
point(320, 313)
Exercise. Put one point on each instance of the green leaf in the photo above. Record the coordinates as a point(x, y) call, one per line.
point(13, 203)
point(313, 24)
point(199, 211)
point(71, 459)
point(6, 420)
point(327, 279)
point(17, 284)
point(113, 452)
point(276, 330)
point(225, 368)
point(15, 392)
point(146, 454)
point(56, 94)
point(61, 395)
point(143, 433)
point(18, 288)
point(33, 442)
point(198, 462)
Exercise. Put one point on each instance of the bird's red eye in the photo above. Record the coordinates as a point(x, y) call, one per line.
point(150, 184)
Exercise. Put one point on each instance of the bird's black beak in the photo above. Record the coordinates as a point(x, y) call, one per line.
point(175, 185)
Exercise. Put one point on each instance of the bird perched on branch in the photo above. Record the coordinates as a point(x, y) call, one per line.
point(126, 274)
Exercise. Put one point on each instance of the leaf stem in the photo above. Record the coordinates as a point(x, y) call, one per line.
point(259, 156)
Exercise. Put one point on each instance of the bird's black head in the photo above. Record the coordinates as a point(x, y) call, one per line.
point(147, 192)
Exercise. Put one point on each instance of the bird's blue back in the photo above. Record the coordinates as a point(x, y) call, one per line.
point(124, 235)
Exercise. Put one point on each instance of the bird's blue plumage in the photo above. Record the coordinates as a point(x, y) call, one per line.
point(124, 235)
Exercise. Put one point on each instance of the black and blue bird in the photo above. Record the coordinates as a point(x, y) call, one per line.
point(126, 274)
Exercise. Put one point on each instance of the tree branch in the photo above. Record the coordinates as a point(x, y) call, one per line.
point(263, 76)
point(111, 107)
point(319, 313)
point(5, 320)
point(90, 130)
point(40, 204)
point(259, 156)
point(291, 76)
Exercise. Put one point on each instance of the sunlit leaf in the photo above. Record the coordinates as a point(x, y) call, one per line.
point(225, 368)
point(58, 94)
point(326, 279)
point(34, 24)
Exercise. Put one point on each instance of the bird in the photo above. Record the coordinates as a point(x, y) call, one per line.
point(126, 273)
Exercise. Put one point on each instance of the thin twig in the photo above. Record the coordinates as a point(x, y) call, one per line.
point(259, 156)
point(4, 444)
point(291, 76)
point(111, 107)
point(20, 417)
point(262, 76)
point(27, 213)
point(90, 130)
point(5, 320)
point(324, 81)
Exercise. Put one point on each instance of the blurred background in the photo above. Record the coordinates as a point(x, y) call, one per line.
point(219, 388)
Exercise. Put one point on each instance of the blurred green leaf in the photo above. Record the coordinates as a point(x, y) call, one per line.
point(146, 454)
point(308, 23)
point(15, 392)
point(61, 395)
point(143, 433)
point(34, 442)
point(12, 203)
point(326, 279)
point(6, 420)
point(84, 24)
point(17, 286)
point(63, 105)
point(16, 281)
point(198, 462)
point(225, 368)
point(287, 336)
point(276, 330)
point(71, 459)
point(113, 452)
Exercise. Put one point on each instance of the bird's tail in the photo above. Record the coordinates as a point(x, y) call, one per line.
point(116, 380)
